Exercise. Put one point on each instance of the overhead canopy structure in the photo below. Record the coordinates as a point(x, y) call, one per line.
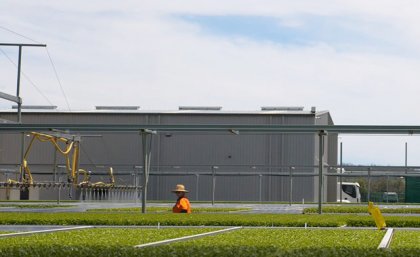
point(17, 99)
point(339, 129)
point(147, 130)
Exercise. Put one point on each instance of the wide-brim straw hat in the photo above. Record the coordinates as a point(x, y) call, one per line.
point(180, 188)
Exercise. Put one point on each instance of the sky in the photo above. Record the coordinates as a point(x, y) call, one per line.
point(360, 60)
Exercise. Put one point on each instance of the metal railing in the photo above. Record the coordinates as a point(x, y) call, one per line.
point(131, 176)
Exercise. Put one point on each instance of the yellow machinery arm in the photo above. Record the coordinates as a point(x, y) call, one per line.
point(86, 177)
point(111, 180)
point(71, 150)
point(69, 146)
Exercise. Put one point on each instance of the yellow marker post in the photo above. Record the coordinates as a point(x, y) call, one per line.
point(377, 216)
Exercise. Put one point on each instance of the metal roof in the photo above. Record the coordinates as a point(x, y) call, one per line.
point(36, 107)
point(200, 108)
point(175, 112)
point(118, 107)
point(228, 128)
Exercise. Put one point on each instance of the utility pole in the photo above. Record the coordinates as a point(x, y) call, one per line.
point(17, 98)
point(321, 135)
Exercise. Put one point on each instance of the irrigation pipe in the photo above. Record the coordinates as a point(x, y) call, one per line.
point(43, 231)
point(173, 240)
point(386, 240)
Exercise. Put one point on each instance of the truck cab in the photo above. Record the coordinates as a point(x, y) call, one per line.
point(350, 192)
point(390, 197)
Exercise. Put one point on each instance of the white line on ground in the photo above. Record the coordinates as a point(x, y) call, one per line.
point(173, 240)
point(386, 240)
point(43, 231)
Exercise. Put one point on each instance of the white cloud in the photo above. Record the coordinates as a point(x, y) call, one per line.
point(139, 53)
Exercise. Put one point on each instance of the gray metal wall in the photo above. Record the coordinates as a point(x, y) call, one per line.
point(257, 154)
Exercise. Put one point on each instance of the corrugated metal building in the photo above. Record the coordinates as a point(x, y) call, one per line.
point(251, 167)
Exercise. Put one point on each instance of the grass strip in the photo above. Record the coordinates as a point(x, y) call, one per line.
point(204, 219)
point(406, 240)
point(92, 242)
point(170, 219)
point(359, 209)
point(38, 201)
point(168, 209)
point(391, 221)
point(25, 233)
point(185, 238)
point(275, 242)
point(244, 242)
point(35, 206)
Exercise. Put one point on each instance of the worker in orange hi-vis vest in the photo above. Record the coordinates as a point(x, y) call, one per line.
point(182, 205)
point(377, 216)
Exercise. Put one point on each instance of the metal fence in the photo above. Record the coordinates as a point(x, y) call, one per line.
point(256, 183)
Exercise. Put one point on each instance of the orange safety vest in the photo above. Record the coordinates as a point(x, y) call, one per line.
point(182, 205)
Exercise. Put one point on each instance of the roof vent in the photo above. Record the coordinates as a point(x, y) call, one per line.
point(117, 108)
point(199, 108)
point(281, 108)
point(36, 107)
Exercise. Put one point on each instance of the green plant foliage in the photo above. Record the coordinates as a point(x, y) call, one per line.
point(244, 242)
point(391, 221)
point(406, 240)
point(38, 201)
point(170, 219)
point(35, 206)
point(359, 209)
point(89, 242)
point(277, 242)
point(201, 219)
point(167, 209)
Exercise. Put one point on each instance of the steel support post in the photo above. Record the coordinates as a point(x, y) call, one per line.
point(341, 172)
point(406, 158)
point(19, 104)
point(368, 196)
point(260, 187)
point(213, 189)
point(136, 187)
point(22, 155)
point(145, 172)
point(19, 116)
point(321, 135)
point(291, 185)
point(147, 152)
point(133, 193)
point(387, 189)
point(59, 190)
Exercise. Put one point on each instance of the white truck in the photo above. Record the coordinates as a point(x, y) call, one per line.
point(350, 192)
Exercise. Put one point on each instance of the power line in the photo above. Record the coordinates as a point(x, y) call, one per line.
point(58, 79)
point(27, 78)
point(51, 61)
point(14, 32)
